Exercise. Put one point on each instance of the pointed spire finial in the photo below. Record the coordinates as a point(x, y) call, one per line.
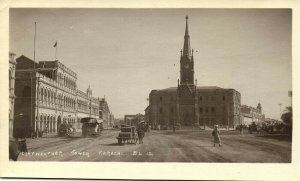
point(186, 27)
point(186, 45)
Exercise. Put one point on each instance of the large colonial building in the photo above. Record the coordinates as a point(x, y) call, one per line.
point(47, 95)
point(191, 105)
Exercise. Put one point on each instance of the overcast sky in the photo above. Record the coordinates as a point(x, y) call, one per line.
point(125, 53)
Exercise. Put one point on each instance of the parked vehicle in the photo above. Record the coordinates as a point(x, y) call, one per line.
point(65, 130)
point(91, 126)
point(128, 134)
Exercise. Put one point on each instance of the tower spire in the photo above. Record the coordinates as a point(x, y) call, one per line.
point(186, 45)
point(187, 26)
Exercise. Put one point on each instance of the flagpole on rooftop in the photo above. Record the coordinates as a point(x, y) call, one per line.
point(34, 45)
point(31, 83)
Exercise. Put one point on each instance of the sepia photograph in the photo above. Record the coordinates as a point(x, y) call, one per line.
point(150, 85)
point(149, 90)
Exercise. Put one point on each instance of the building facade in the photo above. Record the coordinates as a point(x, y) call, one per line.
point(11, 82)
point(214, 106)
point(191, 105)
point(105, 114)
point(87, 106)
point(252, 114)
point(47, 96)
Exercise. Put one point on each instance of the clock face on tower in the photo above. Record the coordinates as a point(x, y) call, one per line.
point(186, 66)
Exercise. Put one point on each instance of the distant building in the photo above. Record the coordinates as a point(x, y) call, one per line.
point(271, 121)
point(118, 122)
point(47, 95)
point(87, 106)
point(105, 114)
point(191, 105)
point(133, 120)
point(11, 82)
point(252, 114)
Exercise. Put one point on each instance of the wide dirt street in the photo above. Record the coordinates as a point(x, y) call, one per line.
point(162, 146)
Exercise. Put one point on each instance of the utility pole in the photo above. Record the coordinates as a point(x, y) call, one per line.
point(31, 84)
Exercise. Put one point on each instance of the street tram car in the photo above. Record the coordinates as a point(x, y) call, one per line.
point(91, 127)
point(128, 134)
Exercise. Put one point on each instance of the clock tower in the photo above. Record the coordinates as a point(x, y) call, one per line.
point(187, 90)
point(187, 59)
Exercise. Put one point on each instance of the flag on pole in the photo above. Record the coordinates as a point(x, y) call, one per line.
point(55, 45)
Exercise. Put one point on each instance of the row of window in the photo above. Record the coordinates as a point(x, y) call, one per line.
point(210, 98)
point(85, 107)
point(200, 98)
point(206, 110)
point(201, 110)
point(49, 97)
point(64, 80)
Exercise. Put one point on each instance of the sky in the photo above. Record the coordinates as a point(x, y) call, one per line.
point(123, 54)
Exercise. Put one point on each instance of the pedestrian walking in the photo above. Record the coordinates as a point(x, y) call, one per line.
point(216, 135)
point(241, 129)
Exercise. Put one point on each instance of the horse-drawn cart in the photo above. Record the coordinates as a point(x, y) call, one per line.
point(128, 134)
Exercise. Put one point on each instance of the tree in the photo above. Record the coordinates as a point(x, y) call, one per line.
point(287, 118)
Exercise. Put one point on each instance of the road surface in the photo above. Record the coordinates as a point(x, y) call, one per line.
point(162, 146)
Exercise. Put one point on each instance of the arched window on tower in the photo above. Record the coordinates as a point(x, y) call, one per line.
point(42, 94)
point(49, 96)
point(45, 96)
point(39, 94)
